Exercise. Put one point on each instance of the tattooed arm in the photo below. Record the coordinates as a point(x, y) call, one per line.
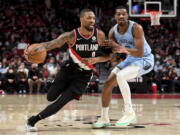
point(66, 37)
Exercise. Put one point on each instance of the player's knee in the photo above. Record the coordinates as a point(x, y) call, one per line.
point(50, 98)
point(52, 94)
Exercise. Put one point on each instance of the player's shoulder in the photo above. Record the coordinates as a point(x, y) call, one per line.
point(137, 29)
point(68, 34)
point(113, 28)
point(137, 26)
point(68, 37)
point(111, 31)
point(100, 33)
point(71, 33)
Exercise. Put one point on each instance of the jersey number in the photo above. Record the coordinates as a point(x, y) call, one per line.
point(93, 54)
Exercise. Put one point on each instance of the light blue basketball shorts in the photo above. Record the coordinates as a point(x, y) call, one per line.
point(146, 64)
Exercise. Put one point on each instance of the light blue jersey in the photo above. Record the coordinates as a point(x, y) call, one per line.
point(145, 63)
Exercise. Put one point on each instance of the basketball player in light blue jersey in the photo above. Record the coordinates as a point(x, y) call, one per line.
point(126, 36)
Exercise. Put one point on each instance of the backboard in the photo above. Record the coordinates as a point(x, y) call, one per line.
point(140, 8)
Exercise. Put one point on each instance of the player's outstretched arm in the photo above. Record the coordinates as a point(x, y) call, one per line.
point(94, 60)
point(66, 37)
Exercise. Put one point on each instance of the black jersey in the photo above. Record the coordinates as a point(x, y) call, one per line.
point(84, 47)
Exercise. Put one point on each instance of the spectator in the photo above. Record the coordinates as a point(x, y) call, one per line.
point(10, 85)
point(52, 68)
point(22, 80)
point(34, 78)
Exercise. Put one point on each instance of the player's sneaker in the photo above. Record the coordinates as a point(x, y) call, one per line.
point(30, 125)
point(128, 118)
point(30, 128)
point(101, 123)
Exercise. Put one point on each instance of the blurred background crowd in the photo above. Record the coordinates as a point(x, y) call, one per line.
point(34, 21)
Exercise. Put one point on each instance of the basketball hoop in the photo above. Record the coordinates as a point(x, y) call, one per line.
point(155, 17)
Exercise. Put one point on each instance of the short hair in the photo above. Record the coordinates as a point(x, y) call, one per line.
point(122, 7)
point(84, 11)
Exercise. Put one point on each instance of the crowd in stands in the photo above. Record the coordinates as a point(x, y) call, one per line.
point(34, 22)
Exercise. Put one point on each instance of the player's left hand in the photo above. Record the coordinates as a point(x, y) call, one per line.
point(109, 43)
point(88, 61)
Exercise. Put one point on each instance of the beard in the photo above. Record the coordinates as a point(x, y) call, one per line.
point(122, 23)
point(89, 28)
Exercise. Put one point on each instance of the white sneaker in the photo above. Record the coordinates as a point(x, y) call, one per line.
point(30, 128)
point(101, 123)
point(128, 118)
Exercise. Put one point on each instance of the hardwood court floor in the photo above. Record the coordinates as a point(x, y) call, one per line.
point(157, 115)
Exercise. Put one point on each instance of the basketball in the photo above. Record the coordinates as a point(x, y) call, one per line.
point(36, 53)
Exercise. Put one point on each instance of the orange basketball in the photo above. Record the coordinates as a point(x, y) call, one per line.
point(36, 53)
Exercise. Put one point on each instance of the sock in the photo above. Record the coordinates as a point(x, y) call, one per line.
point(122, 77)
point(104, 112)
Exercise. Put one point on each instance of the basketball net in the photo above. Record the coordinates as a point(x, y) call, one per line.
point(155, 17)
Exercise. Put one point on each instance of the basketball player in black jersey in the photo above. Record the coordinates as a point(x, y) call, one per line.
point(71, 81)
